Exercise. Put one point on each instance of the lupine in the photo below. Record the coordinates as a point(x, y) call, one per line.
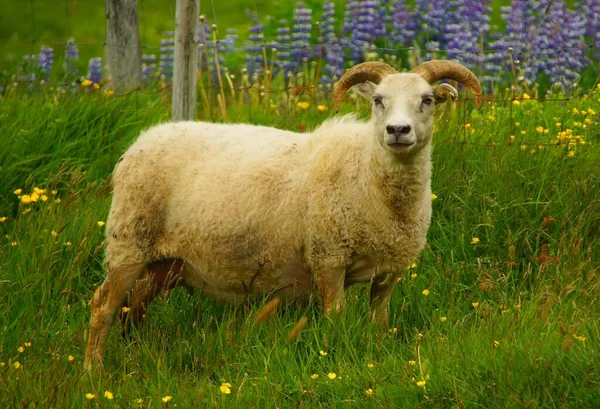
point(362, 26)
point(405, 24)
point(433, 17)
point(95, 70)
point(230, 40)
point(283, 45)
point(149, 67)
point(167, 51)
point(334, 57)
point(71, 56)
point(45, 60)
point(254, 49)
point(590, 11)
point(469, 25)
point(301, 33)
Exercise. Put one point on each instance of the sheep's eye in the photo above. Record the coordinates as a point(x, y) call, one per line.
point(377, 101)
point(427, 101)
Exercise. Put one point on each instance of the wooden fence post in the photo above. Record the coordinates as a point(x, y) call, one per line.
point(123, 42)
point(186, 60)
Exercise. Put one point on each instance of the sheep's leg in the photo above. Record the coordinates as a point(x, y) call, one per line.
point(382, 288)
point(330, 284)
point(158, 277)
point(105, 304)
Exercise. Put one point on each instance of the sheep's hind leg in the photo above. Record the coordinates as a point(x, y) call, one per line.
point(159, 276)
point(330, 284)
point(382, 288)
point(106, 302)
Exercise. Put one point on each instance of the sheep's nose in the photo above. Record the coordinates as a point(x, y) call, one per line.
point(398, 129)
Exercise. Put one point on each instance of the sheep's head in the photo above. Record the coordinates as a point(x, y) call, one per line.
point(403, 103)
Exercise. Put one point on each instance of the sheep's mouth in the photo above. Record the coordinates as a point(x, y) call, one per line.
point(398, 144)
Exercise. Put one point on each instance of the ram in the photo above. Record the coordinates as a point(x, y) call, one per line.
point(242, 210)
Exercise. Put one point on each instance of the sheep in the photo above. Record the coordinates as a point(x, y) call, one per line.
point(239, 210)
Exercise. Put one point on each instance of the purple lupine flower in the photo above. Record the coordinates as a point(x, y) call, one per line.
point(362, 26)
point(405, 24)
point(589, 10)
point(26, 70)
point(149, 67)
point(167, 51)
point(45, 61)
point(301, 33)
point(560, 41)
point(95, 70)
point(71, 56)
point(255, 45)
point(283, 44)
point(432, 16)
point(466, 31)
point(230, 40)
point(334, 57)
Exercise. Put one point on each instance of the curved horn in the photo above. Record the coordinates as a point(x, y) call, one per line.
point(436, 70)
point(367, 71)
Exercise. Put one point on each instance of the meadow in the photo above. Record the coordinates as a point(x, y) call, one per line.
point(501, 310)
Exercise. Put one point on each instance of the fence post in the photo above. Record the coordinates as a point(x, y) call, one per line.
point(186, 60)
point(123, 41)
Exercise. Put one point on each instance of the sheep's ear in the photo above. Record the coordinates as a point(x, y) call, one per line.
point(365, 89)
point(444, 92)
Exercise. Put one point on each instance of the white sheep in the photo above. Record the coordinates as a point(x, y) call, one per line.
point(244, 210)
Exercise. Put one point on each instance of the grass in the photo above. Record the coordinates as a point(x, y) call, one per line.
point(510, 321)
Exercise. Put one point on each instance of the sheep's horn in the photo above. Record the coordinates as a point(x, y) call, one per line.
point(367, 71)
point(436, 70)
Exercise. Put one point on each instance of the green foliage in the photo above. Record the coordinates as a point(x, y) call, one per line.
point(509, 321)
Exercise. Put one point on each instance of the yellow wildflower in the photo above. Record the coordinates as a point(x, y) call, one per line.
point(575, 111)
point(393, 330)
point(86, 83)
point(496, 344)
point(433, 196)
point(413, 265)
point(475, 240)
point(369, 392)
point(101, 223)
point(517, 123)
point(17, 365)
point(68, 244)
point(321, 108)
point(323, 353)
point(422, 383)
point(13, 243)
point(314, 377)
point(21, 348)
point(70, 358)
point(57, 200)
point(539, 129)
point(412, 362)
point(167, 398)
point(125, 310)
point(426, 292)
point(273, 106)
point(3, 219)
point(370, 365)
point(579, 338)
point(303, 105)
point(25, 199)
point(443, 319)
point(53, 233)
point(475, 304)
point(591, 111)
point(90, 396)
point(526, 96)
point(34, 197)
point(571, 154)
point(96, 86)
point(109, 93)
point(39, 191)
point(225, 388)
point(516, 102)
point(511, 138)
point(413, 276)
point(139, 401)
point(28, 344)
point(44, 198)
point(108, 395)
point(331, 375)
point(18, 191)
point(54, 192)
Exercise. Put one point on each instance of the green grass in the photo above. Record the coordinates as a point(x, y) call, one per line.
point(532, 341)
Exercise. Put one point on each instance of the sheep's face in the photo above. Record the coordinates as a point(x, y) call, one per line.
point(403, 107)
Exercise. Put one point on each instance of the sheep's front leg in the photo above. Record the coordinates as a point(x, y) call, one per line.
point(330, 283)
point(382, 288)
point(105, 304)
